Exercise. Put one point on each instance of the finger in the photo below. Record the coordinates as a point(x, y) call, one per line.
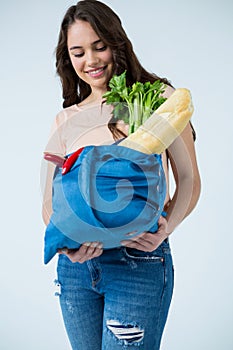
point(62, 251)
point(97, 252)
point(135, 238)
point(86, 252)
point(74, 254)
point(139, 244)
point(162, 221)
point(146, 242)
point(91, 249)
point(143, 238)
point(136, 245)
point(131, 233)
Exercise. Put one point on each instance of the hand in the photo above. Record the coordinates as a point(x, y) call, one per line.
point(87, 251)
point(146, 241)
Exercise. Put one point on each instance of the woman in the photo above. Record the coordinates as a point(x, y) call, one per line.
point(112, 299)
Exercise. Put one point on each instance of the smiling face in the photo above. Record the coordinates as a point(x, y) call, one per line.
point(90, 57)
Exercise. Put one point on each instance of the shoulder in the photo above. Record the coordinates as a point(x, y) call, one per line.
point(65, 114)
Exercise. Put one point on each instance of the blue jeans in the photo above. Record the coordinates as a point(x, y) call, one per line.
point(119, 300)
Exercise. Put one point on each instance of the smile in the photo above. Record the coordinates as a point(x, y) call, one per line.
point(96, 72)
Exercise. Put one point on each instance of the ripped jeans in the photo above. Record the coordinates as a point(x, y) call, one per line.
point(119, 300)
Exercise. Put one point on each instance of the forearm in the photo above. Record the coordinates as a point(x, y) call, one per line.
point(46, 211)
point(187, 179)
point(183, 202)
point(47, 194)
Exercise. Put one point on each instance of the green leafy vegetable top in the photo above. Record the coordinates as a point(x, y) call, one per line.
point(134, 104)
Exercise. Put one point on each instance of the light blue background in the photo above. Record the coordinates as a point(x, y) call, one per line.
point(191, 44)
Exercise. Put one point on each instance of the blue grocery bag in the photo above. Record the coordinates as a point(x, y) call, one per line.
point(109, 192)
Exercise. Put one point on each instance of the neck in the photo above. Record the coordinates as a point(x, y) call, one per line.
point(93, 98)
point(96, 95)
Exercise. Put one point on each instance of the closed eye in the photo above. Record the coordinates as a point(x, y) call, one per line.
point(103, 48)
point(79, 54)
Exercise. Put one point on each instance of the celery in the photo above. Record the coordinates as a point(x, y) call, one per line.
point(134, 104)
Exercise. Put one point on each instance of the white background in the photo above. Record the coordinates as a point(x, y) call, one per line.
point(191, 44)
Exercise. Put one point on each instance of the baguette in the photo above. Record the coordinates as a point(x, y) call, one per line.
point(164, 125)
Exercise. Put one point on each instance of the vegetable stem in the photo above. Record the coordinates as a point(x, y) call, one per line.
point(141, 99)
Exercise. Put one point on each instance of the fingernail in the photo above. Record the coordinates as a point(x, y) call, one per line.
point(94, 244)
point(131, 233)
point(87, 244)
point(100, 246)
point(64, 250)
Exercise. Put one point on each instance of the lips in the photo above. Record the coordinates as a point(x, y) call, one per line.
point(96, 72)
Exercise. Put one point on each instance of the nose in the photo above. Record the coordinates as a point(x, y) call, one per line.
point(91, 58)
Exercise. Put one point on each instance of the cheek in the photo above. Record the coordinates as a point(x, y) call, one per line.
point(107, 56)
point(77, 64)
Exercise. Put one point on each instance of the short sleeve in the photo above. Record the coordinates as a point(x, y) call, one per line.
point(55, 143)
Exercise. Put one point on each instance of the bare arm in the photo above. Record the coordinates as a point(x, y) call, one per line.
point(182, 157)
point(47, 195)
point(183, 162)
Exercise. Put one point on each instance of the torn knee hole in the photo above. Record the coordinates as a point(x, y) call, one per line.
point(128, 333)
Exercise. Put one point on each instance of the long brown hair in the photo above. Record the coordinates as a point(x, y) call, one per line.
point(107, 26)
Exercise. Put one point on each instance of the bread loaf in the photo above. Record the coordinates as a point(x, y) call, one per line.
point(163, 126)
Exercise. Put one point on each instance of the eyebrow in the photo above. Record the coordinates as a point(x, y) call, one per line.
point(80, 47)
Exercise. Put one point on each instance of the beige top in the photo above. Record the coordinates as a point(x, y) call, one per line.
point(76, 127)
